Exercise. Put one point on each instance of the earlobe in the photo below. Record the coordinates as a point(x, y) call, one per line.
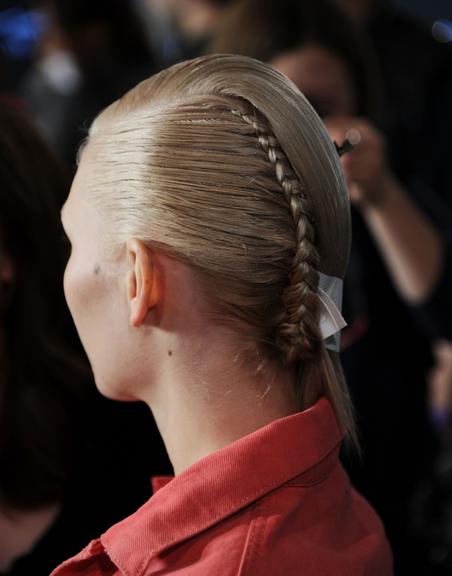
point(142, 282)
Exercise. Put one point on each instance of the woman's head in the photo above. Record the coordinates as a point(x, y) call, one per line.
point(222, 165)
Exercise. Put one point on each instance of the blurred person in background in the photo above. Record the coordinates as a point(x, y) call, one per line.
point(62, 480)
point(89, 53)
point(414, 63)
point(196, 21)
point(180, 29)
point(416, 119)
point(41, 373)
point(432, 507)
point(400, 275)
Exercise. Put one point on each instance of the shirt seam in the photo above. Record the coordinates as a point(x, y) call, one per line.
point(253, 543)
point(119, 566)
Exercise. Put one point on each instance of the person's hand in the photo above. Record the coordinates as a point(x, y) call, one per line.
point(365, 167)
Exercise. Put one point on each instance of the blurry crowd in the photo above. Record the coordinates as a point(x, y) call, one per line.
point(377, 77)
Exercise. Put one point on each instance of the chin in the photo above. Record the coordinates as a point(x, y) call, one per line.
point(112, 391)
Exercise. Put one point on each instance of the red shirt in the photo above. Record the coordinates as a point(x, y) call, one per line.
point(276, 502)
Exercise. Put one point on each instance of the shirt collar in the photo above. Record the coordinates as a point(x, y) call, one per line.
point(224, 482)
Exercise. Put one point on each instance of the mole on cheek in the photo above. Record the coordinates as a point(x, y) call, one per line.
point(96, 269)
point(170, 353)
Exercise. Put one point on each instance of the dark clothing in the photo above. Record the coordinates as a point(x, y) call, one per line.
point(435, 315)
point(116, 450)
point(415, 85)
point(394, 354)
point(389, 342)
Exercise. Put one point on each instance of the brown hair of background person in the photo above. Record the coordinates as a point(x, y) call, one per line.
point(40, 370)
point(263, 28)
point(57, 466)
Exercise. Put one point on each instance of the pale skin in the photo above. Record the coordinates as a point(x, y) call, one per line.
point(409, 243)
point(145, 324)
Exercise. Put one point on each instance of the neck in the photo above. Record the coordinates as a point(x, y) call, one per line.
point(202, 405)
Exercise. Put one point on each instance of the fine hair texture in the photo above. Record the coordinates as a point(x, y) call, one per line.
point(223, 163)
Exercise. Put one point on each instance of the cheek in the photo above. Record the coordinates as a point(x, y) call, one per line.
point(67, 285)
point(73, 287)
point(82, 289)
point(102, 324)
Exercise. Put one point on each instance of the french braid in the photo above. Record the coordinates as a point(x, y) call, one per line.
point(298, 334)
point(259, 166)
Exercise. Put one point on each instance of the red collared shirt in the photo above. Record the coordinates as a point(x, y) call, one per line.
point(276, 502)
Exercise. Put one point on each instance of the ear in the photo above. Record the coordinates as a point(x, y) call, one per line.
point(144, 284)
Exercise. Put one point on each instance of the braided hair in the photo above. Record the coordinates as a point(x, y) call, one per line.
point(299, 335)
point(221, 162)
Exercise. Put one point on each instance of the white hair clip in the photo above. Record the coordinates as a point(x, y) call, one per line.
point(331, 319)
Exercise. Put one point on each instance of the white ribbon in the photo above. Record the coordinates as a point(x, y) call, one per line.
point(331, 320)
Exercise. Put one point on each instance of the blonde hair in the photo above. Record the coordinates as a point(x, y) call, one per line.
point(222, 162)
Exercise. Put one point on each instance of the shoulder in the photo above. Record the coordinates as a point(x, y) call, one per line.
point(325, 528)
